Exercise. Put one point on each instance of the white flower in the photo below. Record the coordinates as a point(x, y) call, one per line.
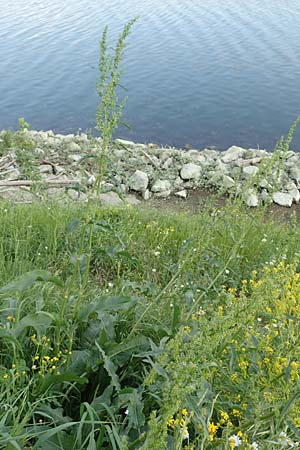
point(285, 441)
point(110, 284)
point(234, 439)
point(185, 433)
point(126, 412)
point(255, 446)
point(156, 253)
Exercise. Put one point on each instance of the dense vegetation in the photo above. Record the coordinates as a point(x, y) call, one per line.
point(185, 336)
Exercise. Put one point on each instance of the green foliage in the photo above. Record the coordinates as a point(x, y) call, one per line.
point(121, 370)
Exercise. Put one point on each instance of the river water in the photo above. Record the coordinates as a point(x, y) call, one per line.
point(197, 72)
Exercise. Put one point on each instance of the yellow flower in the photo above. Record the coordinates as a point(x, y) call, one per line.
point(212, 430)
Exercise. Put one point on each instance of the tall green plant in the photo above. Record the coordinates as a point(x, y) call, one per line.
point(110, 109)
point(108, 119)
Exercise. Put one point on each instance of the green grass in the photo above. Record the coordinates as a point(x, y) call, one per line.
point(172, 335)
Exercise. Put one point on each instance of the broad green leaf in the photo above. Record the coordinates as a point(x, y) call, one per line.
point(133, 398)
point(51, 380)
point(110, 368)
point(25, 281)
point(73, 226)
point(40, 321)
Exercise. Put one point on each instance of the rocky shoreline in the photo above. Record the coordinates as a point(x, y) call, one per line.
point(38, 164)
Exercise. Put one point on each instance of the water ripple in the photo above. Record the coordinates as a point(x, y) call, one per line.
point(205, 73)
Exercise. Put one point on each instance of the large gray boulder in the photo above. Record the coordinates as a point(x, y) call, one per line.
point(251, 198)
point(160, 186)
point(111, 199)
point(250, 171)
point(283, 199)
point(190, 171)
point(295, 174)
point(139, 181)
point(232, 154)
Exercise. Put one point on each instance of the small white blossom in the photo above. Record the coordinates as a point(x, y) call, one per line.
point(236, 440)
point(185, 434)
point(255, 446)
point(126, 412)
point(285, 441)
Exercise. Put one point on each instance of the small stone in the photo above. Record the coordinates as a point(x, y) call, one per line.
point(43, 135)
point(251, 199)
point(265, 184)
point(295, 194)
point(73, 147)
point(91, 180)
point(283, 199)
point(250, 171)
point(131, 200)
point(111, 199)
point(227, 182)
point(168, 163)
point(161, 186)
point(73, 194)
point(190, 171)
point(75, 157)
point(195, 156)
point(139, 181)
point(222, 168)
point(52, 141)
point(232, 154)
point(165, 154)
point(146, 194)
point(69, 138)
point(125, 143)
point(295, 174)
point(181, 194)
point(163, 194)
point(290, 186)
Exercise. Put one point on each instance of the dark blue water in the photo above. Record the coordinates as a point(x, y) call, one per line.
point(198, 72)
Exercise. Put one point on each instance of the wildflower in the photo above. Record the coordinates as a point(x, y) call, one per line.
point(234, 441)
point(285, 441)
point(212, 429)
point(5, 376)
point(126, 412)
point(224, 416)
point(255, 446)
point(185, 433)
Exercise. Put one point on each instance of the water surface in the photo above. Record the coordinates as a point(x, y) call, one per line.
point(198, 72)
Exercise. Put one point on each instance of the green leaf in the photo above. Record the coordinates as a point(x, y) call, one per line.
point(133, 398)
point(110, 368)
point(107, 304)
point(25, 281)
point(51, 380)
point(54, 414)
point(72, 226)
point(40, 321)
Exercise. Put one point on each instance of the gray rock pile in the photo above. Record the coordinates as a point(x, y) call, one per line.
point(44, 163)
